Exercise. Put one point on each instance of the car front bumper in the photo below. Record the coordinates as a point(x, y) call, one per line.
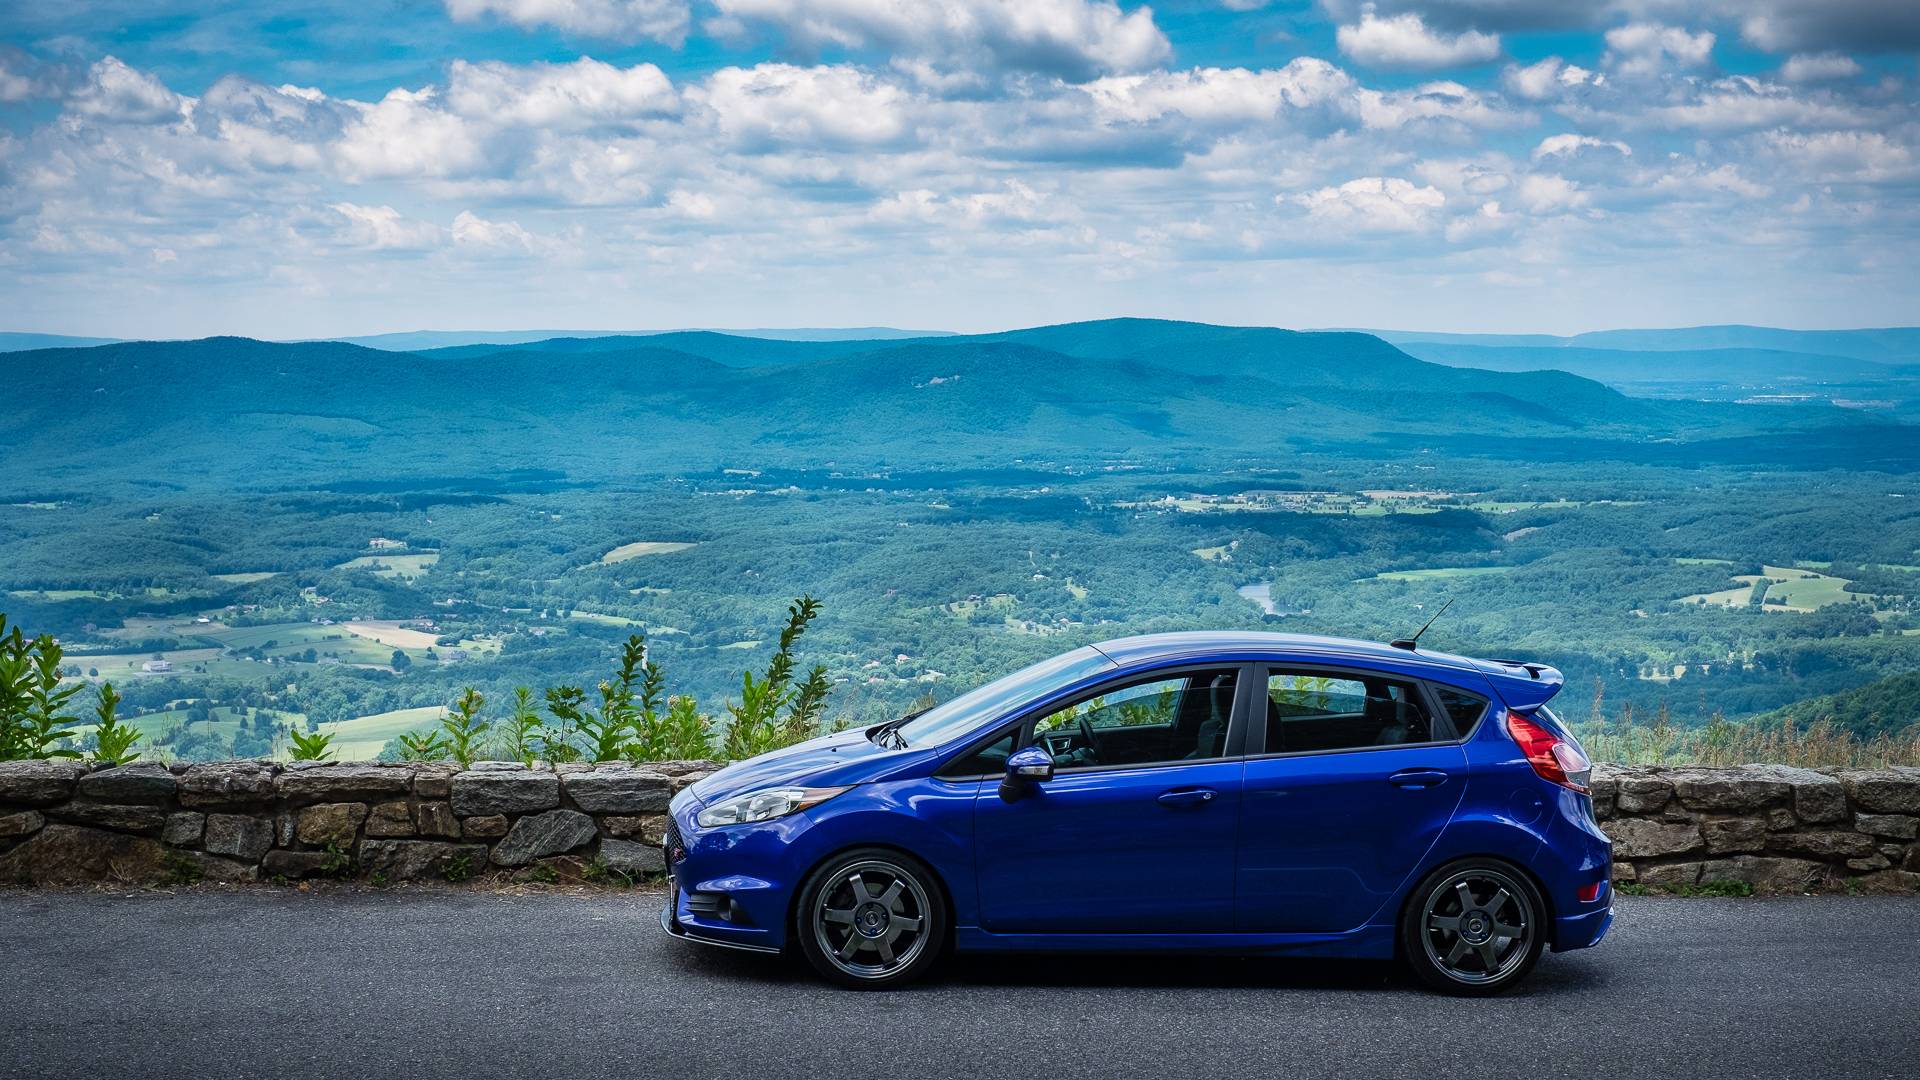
point(718, 892)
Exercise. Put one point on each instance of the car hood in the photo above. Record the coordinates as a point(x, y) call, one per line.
point(844, 757)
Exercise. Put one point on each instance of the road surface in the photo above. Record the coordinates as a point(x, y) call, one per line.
point(266, 983)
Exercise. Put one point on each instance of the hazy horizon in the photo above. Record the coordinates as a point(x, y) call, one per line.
point(883, 332)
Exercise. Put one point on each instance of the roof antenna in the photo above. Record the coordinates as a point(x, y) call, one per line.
point(1412, 643)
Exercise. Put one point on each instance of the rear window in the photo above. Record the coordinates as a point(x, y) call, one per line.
point(1309, 711)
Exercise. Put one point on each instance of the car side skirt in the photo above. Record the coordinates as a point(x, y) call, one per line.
point(1368, 942)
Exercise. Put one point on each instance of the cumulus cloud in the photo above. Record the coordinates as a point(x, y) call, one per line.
point(836, 105)
point(383, 228)
point(1819, 67)
point(1837, 156)
point(1650, 48)
point(1565, 145)
point(618, 20)
point(1435, 101)
point(470, 230)
point(283, 127)
point(406, 134)
point(1374, 204)
point(1404, 41)
point(1497, 15)
point(22, 76)
point(1729, 104)
point(117, 93)
point(1546, 193)
point(1546, 79)
point(585, 93)
point(1071, 39)
point(1221, 94)
point(1774, 25)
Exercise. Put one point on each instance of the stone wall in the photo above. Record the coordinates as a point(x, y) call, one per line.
point(64, 822)
point(1778, 828)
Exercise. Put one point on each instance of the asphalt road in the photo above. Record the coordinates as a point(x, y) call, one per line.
point(261, 982)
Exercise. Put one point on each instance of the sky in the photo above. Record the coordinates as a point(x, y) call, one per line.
point(310, 168)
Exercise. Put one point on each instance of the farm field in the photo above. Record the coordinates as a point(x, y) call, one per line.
point(392, 633)
point(1441, 573)
point(397, 567)
point(1789, 589)
point(362, 738)
point(641, 548)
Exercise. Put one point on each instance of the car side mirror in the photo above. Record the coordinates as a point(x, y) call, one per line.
point(1025, 768)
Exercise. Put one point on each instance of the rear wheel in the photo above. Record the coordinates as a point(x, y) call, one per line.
point(871, 919)
point(1473, 927)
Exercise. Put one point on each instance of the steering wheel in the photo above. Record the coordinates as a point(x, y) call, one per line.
point(1086, 735)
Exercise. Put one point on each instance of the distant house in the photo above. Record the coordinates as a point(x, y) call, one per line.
point(448, 656)
point(157, 666)
point(381, 543)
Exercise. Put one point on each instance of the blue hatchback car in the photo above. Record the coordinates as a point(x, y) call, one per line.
point(1239, 793)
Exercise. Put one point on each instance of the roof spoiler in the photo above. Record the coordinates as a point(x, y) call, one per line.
point(1523, 685)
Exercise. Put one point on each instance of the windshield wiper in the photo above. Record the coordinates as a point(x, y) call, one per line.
point(888, 734)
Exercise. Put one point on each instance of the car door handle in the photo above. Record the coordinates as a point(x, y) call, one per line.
point(1417, 778)
point(1187, 797)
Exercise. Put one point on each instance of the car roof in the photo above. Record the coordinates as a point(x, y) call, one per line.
point(1149, 648)
point(1521, 685)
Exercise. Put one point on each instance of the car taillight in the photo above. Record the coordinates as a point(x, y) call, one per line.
point(1553, 757)
point(1590, 892)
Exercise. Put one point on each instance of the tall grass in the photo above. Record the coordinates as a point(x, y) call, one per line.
point(1723, 742)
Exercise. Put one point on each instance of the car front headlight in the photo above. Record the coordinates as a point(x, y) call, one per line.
point(764, 805)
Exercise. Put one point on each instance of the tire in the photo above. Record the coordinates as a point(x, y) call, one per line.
point(1474, 927)
point(871, 919)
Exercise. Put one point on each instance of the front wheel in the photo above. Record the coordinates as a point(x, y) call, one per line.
point(1474, 927)
point(871, 919)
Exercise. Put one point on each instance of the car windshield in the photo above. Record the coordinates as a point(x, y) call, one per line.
point(943, 723)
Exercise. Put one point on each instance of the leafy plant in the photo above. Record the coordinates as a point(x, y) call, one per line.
point(599, 872)
point(180, 869)
point(612, 732)
point(113, 739)
point(757, 725)
point(651, 720)
point(422, 746)
point(336, 862)
point(684, 730)
point(556, 743)
point(521, 733)
point(31, 697)
point(458, 868)
point(463, 729)
point(310, 746)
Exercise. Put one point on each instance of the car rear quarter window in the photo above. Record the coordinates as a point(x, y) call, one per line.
point(1310, 711)
point(1463, 709)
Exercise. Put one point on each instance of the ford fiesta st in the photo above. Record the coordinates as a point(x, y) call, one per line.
point(1237, 793)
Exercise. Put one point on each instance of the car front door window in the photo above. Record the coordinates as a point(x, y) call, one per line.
point(1177, 718)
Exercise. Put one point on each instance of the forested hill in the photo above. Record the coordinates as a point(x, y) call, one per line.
point(1886, 705)
point(235, 410)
